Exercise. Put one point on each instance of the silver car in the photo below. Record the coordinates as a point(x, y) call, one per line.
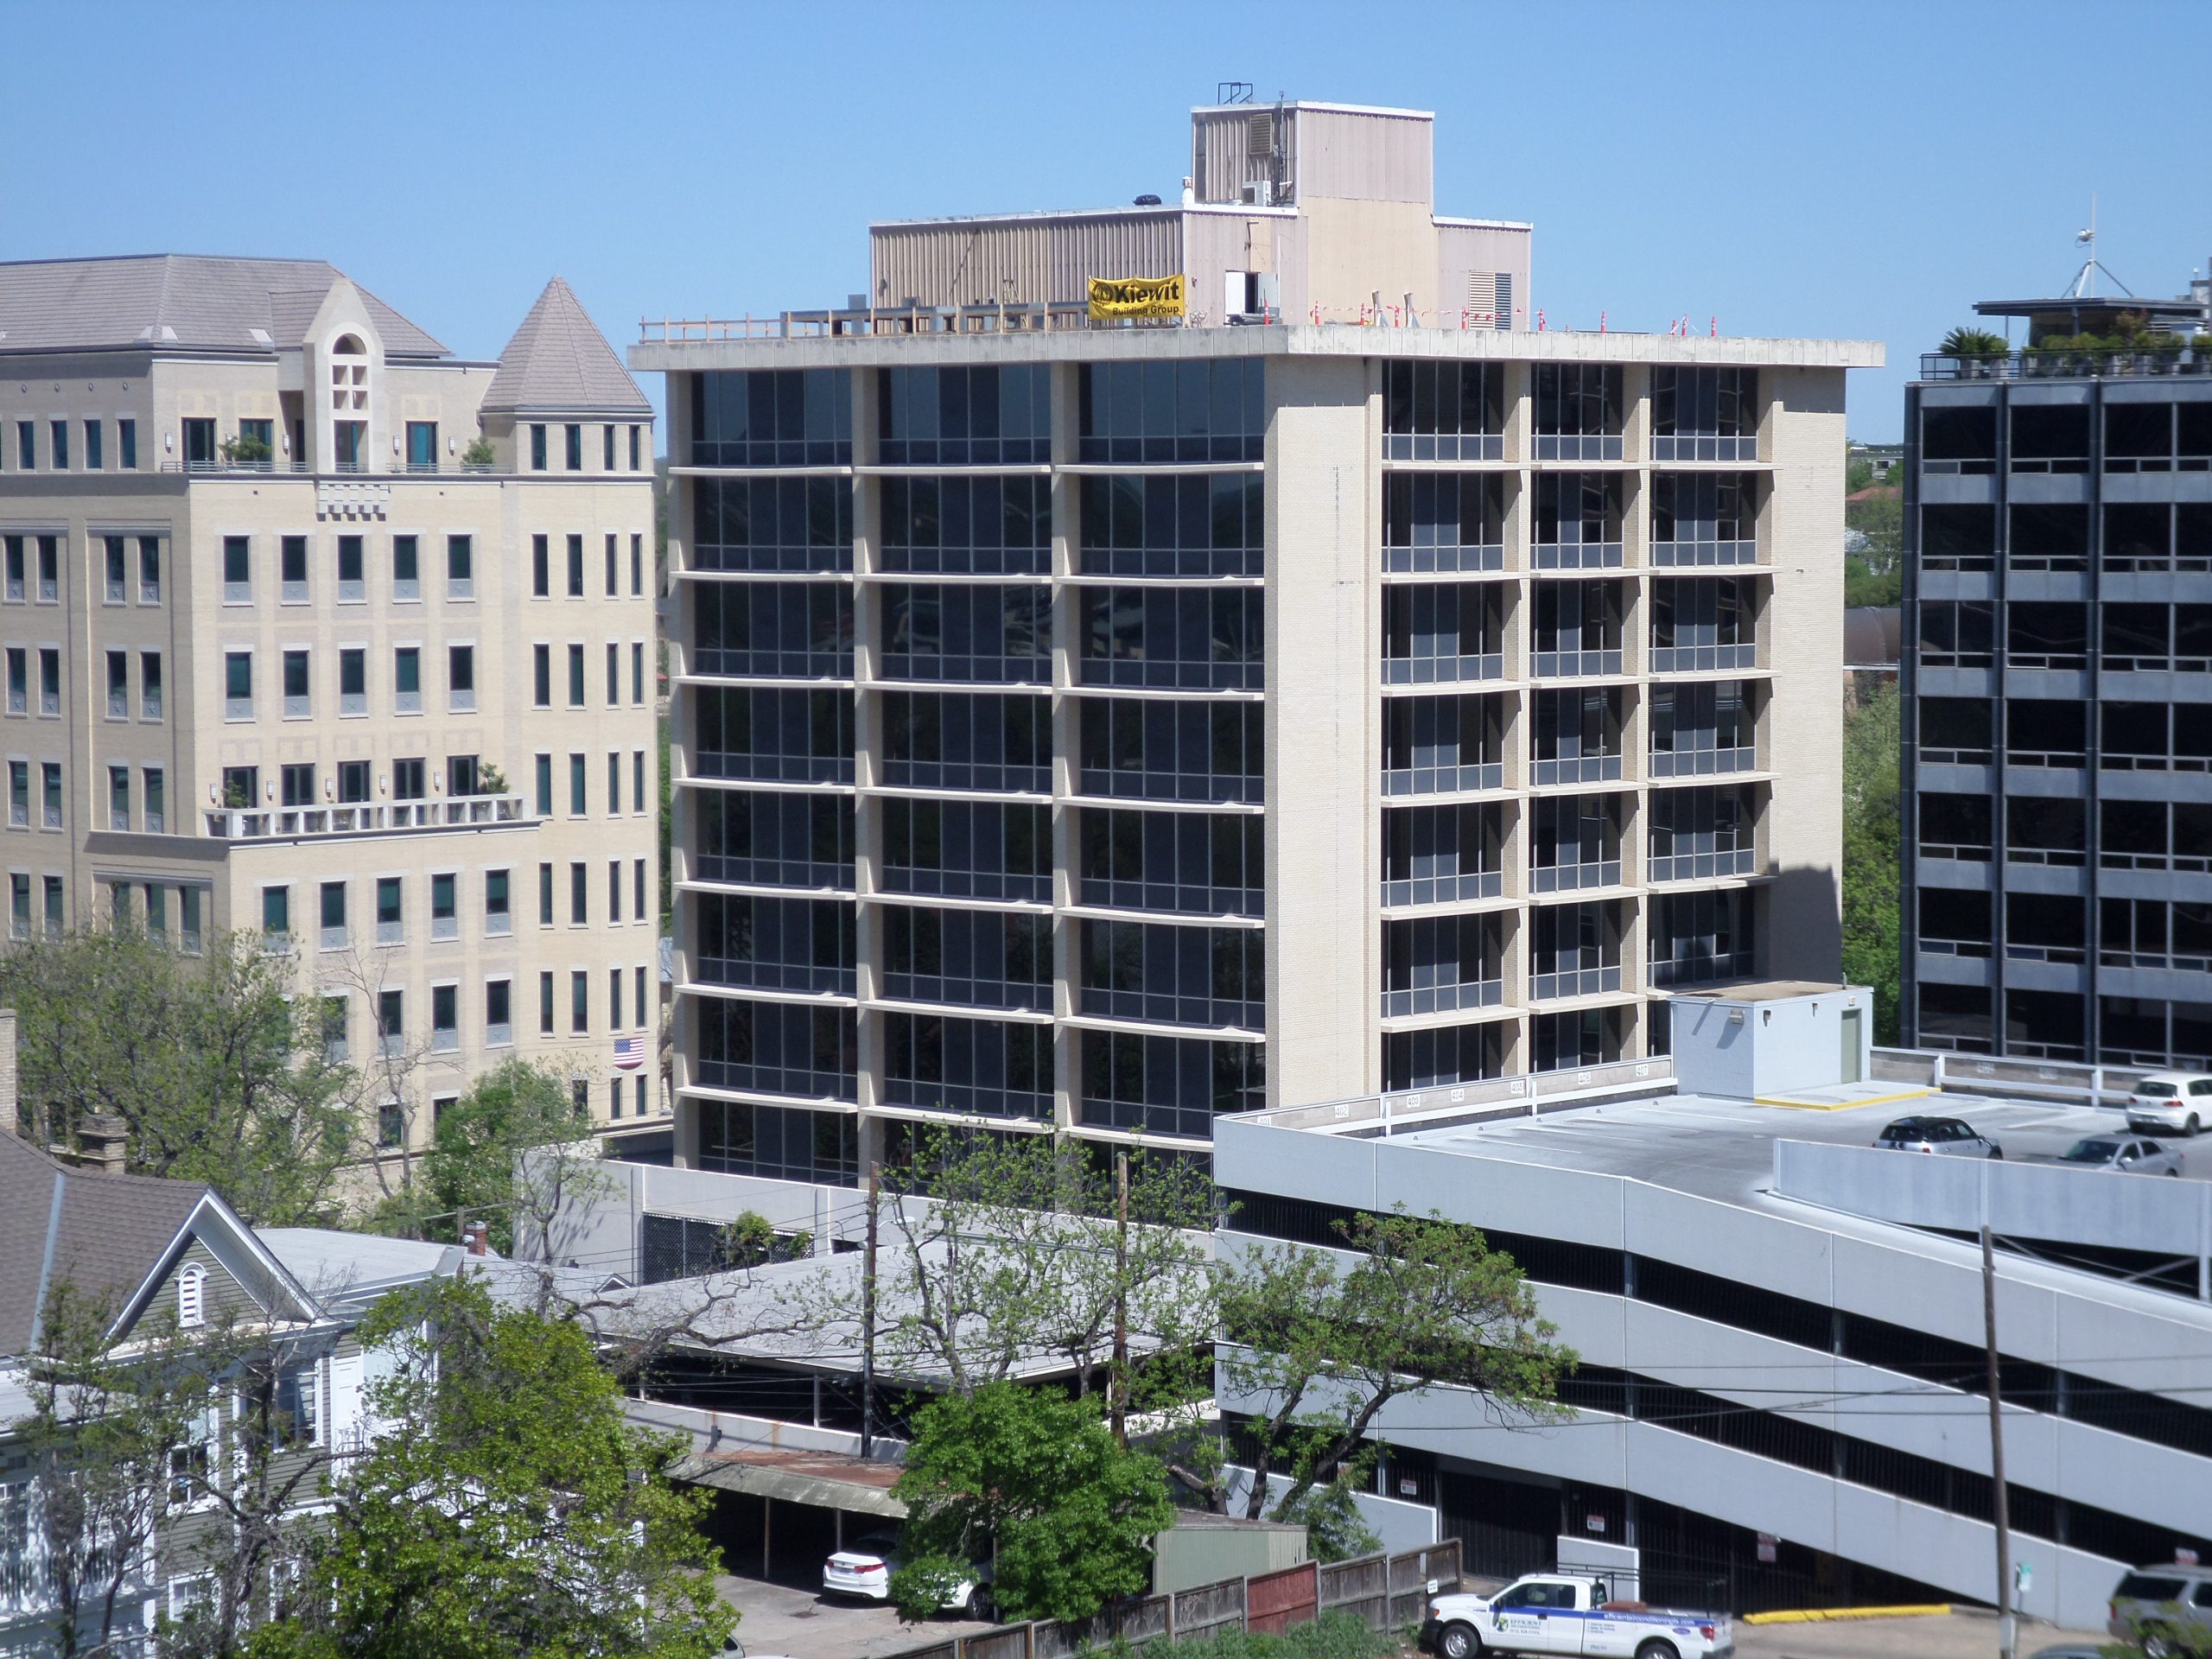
point(1954, 1136)
point(2168, 1608)
point(2119, 1152)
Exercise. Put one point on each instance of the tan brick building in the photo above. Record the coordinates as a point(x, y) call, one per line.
point(310, 626)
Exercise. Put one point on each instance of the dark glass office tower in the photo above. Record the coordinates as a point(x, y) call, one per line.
point(2057, 676)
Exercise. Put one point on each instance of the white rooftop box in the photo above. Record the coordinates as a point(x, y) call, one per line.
point(1757, 1040)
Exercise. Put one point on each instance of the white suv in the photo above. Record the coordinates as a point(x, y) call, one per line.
point(2172, 1100)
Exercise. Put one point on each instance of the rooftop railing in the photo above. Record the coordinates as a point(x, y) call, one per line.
point(344, 469)
point(365, 818)
point(1524, 1095)
point(2062, 364)
point(1057, 318)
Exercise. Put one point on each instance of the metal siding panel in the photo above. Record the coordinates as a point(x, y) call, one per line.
point(1021, 261)
point(1364, 157)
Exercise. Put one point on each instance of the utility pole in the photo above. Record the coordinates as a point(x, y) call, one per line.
point(2007, 1637)
point(868, 1319)
point(1117, 1391)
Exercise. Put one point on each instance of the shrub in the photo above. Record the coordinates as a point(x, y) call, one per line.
point(1333, 1635)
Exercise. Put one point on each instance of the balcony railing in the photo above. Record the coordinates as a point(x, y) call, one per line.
point(1443, 889)
point(1964, 852)
point(1578, 982)
point(1674, 555)
point(219, 467)
point(1444, 999)
point(1576, 555)
point(1705, 446)
point(364, 818)
point(2061, 365)
point(1576, 769)
point(1424, 561)
point(1699, 967)
point(1981, 948)
point(1442, 670)
point(1703, 763)
point(1699, 867)
point(1703, 659)
point(1575, 665)
point(1443, 780)
point(1573, 878)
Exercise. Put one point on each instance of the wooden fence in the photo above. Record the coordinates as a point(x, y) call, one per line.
point(1383, 1591)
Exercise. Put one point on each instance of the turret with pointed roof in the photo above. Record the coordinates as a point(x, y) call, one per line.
point(558, 364)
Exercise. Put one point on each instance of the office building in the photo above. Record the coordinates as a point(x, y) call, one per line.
point(1100, 727)
point(2057, 682)
point(312, 627)
point(1782, 1394)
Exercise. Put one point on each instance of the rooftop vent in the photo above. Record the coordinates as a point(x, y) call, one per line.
point(1148, 199)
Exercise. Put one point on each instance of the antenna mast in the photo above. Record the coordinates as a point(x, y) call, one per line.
point(2084, 286)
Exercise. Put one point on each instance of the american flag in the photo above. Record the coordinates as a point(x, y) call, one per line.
point(629, 1053)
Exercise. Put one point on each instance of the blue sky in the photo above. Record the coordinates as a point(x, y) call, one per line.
point(1865, 170)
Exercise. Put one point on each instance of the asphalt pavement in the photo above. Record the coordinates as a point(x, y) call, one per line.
point(779, 1622)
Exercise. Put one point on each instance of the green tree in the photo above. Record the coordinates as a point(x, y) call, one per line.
point(1034, 1483)
point(214, 1064)
point(1313, 1349)
point(1873, 839)
point(473, 1167)
point(509, 1509)
point(1000, 1250)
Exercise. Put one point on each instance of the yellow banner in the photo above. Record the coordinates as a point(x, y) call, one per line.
point(1136, 297)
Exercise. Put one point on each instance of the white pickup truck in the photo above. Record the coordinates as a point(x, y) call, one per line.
point(1545, 1614)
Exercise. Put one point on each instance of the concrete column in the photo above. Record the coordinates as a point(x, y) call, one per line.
point(1324, 506)
point(1803, 436)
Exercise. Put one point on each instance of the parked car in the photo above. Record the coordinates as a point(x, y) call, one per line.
point(1543, 1614)
point(2151, 1603)
point(2172, 1100)
point(863, 1570)
point(1952, 1135)
point(2118, 1152)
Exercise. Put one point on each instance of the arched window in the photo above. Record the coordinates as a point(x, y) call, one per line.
point(349, 403)
point(191, 1296)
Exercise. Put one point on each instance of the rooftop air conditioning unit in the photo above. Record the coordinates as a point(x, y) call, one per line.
point(1258, 192)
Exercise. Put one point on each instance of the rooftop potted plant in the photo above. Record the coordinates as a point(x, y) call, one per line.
point(244, 450)
point(1978, 351)
point(2165, 351)
point(477, 458)
point(2199, 352)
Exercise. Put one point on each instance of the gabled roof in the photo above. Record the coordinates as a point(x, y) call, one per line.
point(346, 1272)
point(558, 363)
point(102, 1233)
point(184, 302)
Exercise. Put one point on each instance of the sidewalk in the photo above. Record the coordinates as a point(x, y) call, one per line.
point(1955, 1636)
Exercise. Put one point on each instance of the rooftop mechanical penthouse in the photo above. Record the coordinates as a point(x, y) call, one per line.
point(1100, 727)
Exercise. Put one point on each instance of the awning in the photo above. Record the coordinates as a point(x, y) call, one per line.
point(809, 1486)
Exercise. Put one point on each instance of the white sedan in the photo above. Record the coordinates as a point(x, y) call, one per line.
point(863, 1572)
